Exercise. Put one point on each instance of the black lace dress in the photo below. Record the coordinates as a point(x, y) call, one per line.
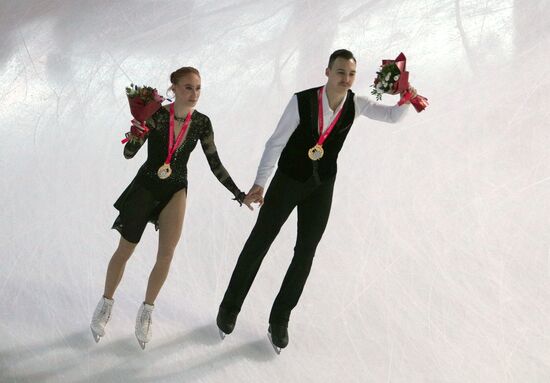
point(147, 195)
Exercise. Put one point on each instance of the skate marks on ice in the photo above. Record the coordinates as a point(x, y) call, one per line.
point(192, 354)
point(31, 363)
point(25, 363)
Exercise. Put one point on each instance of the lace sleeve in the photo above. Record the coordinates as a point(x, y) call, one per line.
point(209, 149)
point(133, 145)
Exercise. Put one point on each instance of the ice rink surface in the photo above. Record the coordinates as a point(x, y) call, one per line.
point(435, 265)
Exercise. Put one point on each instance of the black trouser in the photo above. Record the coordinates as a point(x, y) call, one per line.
point(313, 200)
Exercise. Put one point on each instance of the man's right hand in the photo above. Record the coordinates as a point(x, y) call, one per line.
point(255, 195)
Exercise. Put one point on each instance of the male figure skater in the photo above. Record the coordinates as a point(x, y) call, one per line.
point(307, 140)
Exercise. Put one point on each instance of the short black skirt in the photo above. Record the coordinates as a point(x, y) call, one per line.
point(138, 205)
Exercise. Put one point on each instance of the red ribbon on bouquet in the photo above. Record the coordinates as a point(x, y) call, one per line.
point(419, 102)
point(134, 131)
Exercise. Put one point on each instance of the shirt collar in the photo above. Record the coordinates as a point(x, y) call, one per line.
point(326, 105)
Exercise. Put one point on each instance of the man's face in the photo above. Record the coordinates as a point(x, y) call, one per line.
point(342, 74)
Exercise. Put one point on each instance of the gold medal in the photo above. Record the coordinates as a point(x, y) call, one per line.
point(164, 171)
point(316, 153)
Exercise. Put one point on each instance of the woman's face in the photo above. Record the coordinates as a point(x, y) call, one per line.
point(188, 89)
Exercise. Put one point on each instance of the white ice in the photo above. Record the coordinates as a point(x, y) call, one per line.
point(435, 266)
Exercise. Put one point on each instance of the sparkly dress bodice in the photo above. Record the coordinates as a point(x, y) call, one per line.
point(200, 129)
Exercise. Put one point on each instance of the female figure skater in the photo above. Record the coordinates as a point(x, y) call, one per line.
point(158, 193)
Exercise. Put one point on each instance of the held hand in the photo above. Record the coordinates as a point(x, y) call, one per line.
point(248, 200)
point(255, 195)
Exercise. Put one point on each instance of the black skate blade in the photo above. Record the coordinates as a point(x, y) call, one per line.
point(276, 348)
point(222, 334)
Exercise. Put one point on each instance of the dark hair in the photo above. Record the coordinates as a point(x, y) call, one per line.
point(177, 75)
point(343, 53)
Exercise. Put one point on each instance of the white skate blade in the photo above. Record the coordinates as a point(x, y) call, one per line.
point(96, 336)
point(277, 349)
point(222, 334)
point(142, 344)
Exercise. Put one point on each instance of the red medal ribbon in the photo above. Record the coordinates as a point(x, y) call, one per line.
point(323, 136)
point(171, 146)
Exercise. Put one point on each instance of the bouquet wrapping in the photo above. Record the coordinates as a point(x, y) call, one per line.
point(144, 101)
point(393, 78)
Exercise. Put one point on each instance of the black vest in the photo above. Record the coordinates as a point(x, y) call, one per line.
point(294, 160)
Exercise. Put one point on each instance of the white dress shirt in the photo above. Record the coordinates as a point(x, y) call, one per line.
point(291, 119)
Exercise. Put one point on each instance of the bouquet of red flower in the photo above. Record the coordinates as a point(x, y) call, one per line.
point(392, 78)
point(144, 101)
